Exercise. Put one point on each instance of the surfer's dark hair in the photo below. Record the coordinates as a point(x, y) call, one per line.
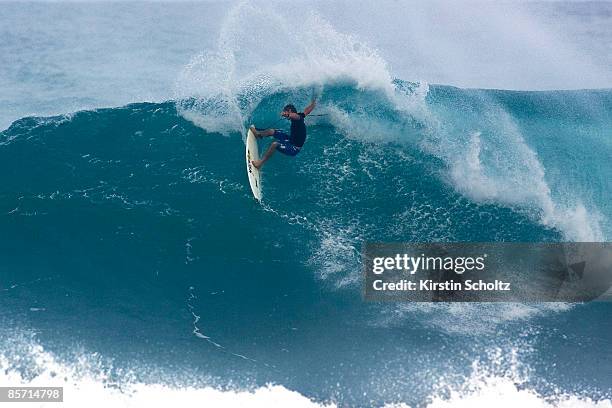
point(290, 108)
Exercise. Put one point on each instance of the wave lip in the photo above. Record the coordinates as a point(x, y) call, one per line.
point(218, 89)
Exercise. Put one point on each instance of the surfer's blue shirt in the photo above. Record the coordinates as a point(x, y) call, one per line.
point(298, 131)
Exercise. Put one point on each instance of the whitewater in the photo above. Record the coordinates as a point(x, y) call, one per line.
point(137, 270)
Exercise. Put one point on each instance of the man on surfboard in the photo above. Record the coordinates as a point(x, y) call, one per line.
point(290, 144)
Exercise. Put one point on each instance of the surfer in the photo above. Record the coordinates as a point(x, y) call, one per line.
point(289, 144)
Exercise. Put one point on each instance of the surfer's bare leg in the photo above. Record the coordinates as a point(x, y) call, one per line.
point(262, 133)
point(266, 156)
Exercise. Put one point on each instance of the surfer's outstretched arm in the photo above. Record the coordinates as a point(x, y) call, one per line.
point(310, 107)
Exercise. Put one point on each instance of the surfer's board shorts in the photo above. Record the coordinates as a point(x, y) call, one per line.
point(284, 145)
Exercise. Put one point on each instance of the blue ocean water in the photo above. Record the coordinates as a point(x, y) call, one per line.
point(136, 267)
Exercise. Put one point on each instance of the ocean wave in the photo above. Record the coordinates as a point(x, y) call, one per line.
point(480, 137)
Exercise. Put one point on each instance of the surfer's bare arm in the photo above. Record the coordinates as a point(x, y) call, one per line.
point(310, 107)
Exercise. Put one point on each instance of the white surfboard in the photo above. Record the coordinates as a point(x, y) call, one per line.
point(252, 153)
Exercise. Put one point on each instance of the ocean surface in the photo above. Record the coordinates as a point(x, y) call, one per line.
point(137, 270)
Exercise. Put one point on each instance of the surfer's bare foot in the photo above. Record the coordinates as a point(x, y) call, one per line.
point(257, 163)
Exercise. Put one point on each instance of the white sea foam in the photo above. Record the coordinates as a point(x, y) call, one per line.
point(504, 393)
point(506, 171)
point(500, 380)
point(261, 51)
point(87, 382)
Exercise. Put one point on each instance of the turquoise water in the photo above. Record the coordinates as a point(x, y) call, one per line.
point(134, 256)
